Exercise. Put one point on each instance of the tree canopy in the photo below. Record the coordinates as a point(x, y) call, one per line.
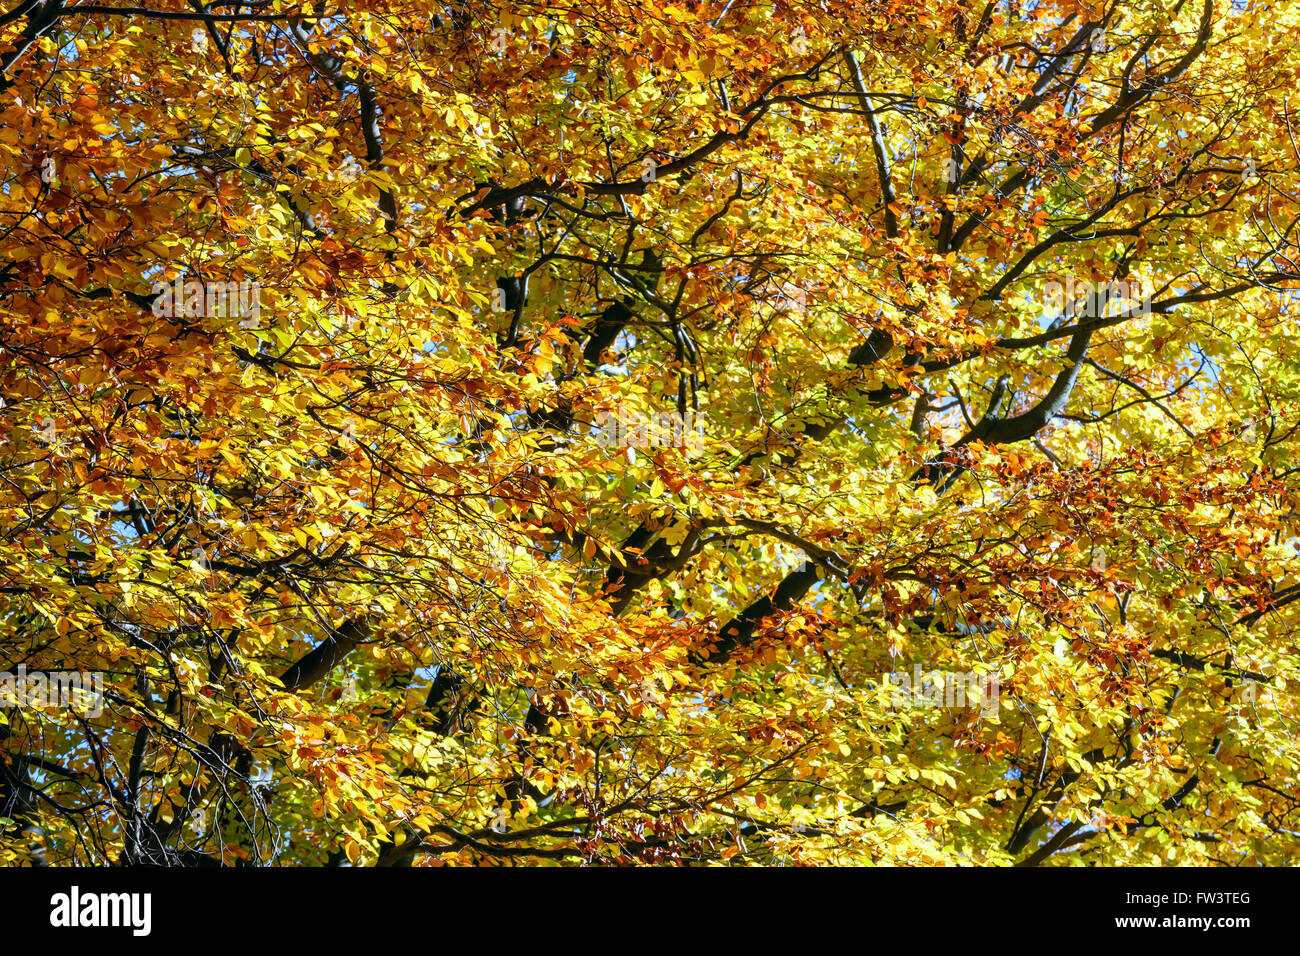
point(589, 432)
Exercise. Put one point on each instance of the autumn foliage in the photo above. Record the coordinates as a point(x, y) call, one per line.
point(544, 434)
